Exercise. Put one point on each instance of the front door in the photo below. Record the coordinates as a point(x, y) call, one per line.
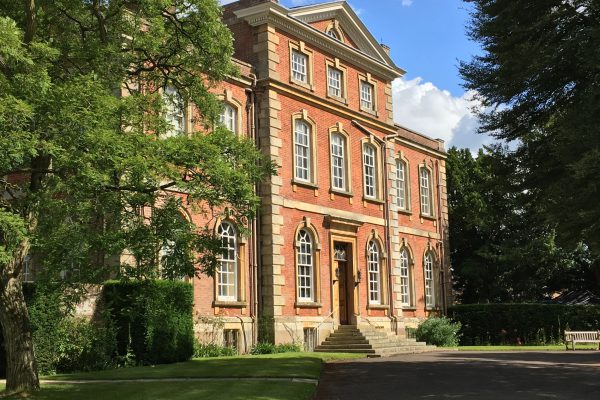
point(344, 278)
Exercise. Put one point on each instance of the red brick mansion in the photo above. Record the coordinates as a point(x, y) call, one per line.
point(353, 229)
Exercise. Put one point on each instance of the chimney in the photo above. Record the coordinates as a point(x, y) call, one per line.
point(386, 48)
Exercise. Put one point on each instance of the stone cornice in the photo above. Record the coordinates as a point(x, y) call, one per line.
point(275, 15)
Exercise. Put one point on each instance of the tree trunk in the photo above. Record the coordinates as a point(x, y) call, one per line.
point(21, 368)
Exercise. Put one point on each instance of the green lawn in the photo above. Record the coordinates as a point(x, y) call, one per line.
point(558, 347)
point(288, 365)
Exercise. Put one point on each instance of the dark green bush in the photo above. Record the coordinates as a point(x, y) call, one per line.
point(498, 324)
point(153, 319)
point(270, 348)
point(202, 350)
point(439, 332)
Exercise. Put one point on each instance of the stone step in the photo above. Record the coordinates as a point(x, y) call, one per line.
point(346, 346)
point(361, 351)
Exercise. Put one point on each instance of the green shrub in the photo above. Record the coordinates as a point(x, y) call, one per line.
point(288, 348)
point(202, 350)
point(439, 332)
point(498, 324)
point(270, 348)
point(153, 319)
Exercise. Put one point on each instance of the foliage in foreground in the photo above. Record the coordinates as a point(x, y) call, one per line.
point(202, 350)
point(529, 324)
point(440, 332)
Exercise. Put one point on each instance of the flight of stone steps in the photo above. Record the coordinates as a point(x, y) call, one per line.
point(374, 342)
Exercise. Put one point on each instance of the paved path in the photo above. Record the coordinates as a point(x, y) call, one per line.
point(466, 375)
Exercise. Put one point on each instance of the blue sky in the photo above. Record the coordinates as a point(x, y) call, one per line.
point(427, 39)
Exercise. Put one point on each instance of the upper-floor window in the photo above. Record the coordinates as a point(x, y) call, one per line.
point(299, 66)
point(425, 191)
point(305, 264)
point(302, 150)
point(333, 34)
point(334, 82)
point(174, 111)
point(429, 280)
point(227, 271)
point(405, 286)
point(229, 117)
point(370, 171)
point(374, 267)
point(338, 162)
point(401, 185)
point(366, 96)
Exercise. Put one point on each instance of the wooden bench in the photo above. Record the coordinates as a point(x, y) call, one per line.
point(581, 337)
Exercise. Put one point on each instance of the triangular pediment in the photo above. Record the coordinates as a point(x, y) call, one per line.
point(356, 33)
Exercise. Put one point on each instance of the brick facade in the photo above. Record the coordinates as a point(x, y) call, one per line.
point(270, 102)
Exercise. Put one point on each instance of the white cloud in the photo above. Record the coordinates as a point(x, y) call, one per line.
point(223, 2)
point(407, 3)
point(296, 3)
point(423, 107)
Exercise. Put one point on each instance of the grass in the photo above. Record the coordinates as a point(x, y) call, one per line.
point(287, 365)
point(557, 347)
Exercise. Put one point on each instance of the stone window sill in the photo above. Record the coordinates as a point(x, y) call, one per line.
point(429, 217)
point(342, 100)
point(305, 184)
point(230, 304)
point(308, 304)
point(304, 85)
point(378, 306)
point(405, 212)
point(341, 193)
point(372, 200)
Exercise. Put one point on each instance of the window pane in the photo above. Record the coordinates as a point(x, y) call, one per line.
point(227, 268)
point(366, 95)
point(305, 266)
point(334, 82)
point(374, 273)
point(299, 70)
point(338, 162)
point(401, 184)
point(404, 278)
point(229, 118)
point(302, 150)
point(369, 171)
point(425, 188)
point(429, 281)
point(174, 114)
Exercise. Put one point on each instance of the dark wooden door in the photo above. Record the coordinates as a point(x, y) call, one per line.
point(343, 291)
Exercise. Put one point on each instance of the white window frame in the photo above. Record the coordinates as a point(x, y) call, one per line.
point(229, 117)
point(425, 192)
point(335, 82)
point(374, 272)
point(338, 162)
point(405, 284)
point(428, 272)
point(370, 171)
point(401, 189)
point(299, 67)
point(302, 151)
point(305, 266)
point(174, 112)
point(366, 96)
point(228, 268)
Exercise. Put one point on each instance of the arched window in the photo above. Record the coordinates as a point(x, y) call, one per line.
point(370, 171)
point(227, 273)
point(405, 286)
point(175, 111)
point(429, 280)
point(425, 188)
point(229, 117)
point(401, 189)
point(305, 264)
point(374, 265)
point(338, 162)
point(302, 151)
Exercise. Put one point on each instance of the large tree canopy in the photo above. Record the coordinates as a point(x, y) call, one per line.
point(539, 79)
point(501, 250)
point(87, 170)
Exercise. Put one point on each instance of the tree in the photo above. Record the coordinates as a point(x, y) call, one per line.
point(501, 250)
point(88, 167)
point(539, 81)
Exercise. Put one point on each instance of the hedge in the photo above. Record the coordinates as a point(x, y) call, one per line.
point(153, 320)
point(498, 324)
